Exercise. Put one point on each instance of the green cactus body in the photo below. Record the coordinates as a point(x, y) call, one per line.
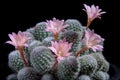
point(33, 45)
point(12, 77)
point(105, 67)
point(99, 58)
point(47, 77)
point(88, 64)
point(31, 30)
point(30, 37)
point(74, 48)
point(99, 75)
point(71, 37)
point(74, 25)
point(40, 32)
point(107, 76)
point(84, 77)
point(68, 69)
point(30, 47)
point(15, 61)
point(42, 59)
point(27, 73)
point(74, 33)
point(47, 41)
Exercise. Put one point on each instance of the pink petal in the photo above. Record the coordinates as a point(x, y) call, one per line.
point(12, 37)
point(93, 9)
point(59, 59)
point(87, 35)
point(94, 49)
point(99, 47)
point(54, 50)
point(26, 45)
point(10, 42)
point(68, 54)
point(18, 40)
point(88, 9)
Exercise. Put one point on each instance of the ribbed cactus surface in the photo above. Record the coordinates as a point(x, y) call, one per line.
point(27, 73)
point(68, 69)
point(15, 61)
point(42, 59)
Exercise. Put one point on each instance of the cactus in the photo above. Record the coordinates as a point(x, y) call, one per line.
point(59, 50)
point(27, 73)
point(105, 67)
point(107, 76)
point(40, 32)
point(47, 77)
point(74, 25)
point(33, 45)
point(42, 59)
point(68, 69)
point(31, 39)
point(71, 36)
point(31, 30)
point(84, 77)
point(47, 41)
point(99, 58)
point(99, 75)
point(12, 77)
point(15, 61)
point(74, 47)
point(88, 64)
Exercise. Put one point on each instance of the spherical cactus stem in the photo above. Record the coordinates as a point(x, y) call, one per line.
point(80, 51)
point(22, 55)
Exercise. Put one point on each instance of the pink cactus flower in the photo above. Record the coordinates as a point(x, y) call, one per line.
point(55, 26)
point(61, 49)
point(18, 40)
point(92, 13)
point(93, 41)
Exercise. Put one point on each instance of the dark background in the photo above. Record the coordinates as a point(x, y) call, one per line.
point(15, 16)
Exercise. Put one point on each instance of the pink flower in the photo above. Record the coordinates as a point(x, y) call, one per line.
point(93, 41)
point(61, 49)
point(18, 40)
point(55, 26)
point(93, 12)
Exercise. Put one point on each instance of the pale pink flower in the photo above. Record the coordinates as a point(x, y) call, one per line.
point(18, 40)
point(93, 12)
point(93, 41)
point(55, 26)
point(61, 49)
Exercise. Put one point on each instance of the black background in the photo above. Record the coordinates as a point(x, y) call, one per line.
point(15, 16)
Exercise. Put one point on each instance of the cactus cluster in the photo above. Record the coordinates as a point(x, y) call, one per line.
point(70, 59)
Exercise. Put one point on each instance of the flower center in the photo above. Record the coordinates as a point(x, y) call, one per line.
point(60, 53)
point(90, 44)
